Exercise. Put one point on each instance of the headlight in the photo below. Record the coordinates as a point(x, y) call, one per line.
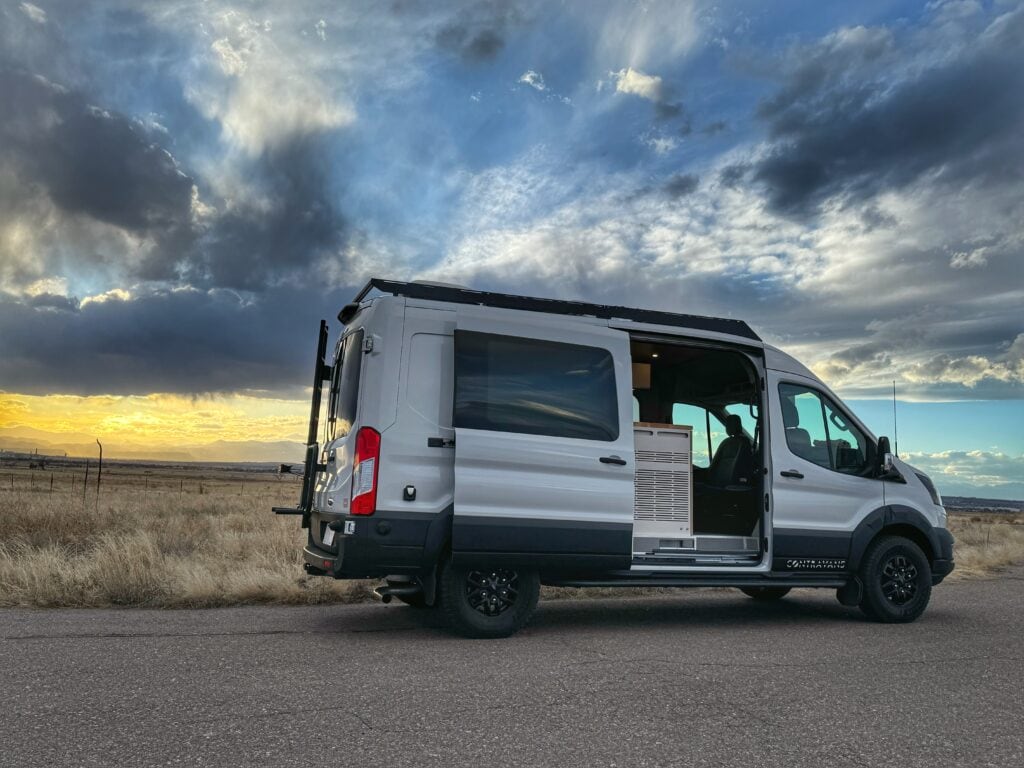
point(927, 483)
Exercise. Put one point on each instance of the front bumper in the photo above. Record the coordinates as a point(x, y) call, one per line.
point(943, 563)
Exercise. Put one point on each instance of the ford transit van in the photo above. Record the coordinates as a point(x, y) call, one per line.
point(477, 445)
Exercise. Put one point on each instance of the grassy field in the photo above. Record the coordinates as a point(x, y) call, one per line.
point(181, 538)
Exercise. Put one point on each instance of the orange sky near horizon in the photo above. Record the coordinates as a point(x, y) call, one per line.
point(217, 428)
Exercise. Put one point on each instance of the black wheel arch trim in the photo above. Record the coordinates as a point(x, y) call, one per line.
point(937, 543)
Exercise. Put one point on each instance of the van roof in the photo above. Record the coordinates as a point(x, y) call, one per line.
point(456, 295)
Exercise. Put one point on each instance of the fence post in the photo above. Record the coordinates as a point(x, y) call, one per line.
point(51, 483)
point(99, 474)
point(85, 480)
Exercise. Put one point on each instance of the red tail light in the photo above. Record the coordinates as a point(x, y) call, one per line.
point(365, 465)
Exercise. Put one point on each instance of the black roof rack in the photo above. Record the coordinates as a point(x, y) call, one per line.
point(457, 295)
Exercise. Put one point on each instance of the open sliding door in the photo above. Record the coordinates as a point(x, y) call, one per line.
point(543, 445)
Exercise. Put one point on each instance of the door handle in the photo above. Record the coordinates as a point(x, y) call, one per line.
point(612, 460)
point(792, 473)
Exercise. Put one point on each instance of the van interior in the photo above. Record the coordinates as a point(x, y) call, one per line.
point(710, 395)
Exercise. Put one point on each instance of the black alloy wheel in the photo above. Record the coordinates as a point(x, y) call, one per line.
point(487, 602)
point(492, 592)
point(897, 579)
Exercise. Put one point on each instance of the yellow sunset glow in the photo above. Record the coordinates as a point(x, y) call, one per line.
point(157, 426)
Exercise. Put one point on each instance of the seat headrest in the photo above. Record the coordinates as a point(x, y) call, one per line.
point(733, 425)
point(790, 415)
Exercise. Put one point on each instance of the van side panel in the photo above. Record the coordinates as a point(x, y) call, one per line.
point(544, 500)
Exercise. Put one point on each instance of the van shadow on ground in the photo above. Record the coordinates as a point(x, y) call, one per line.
point(721, 610)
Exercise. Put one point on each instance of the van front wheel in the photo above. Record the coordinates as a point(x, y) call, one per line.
point(488, 602)
point(897, 580)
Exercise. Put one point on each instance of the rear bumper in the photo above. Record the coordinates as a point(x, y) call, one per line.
point(383, 544)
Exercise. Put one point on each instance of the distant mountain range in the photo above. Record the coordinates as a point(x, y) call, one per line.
point(217, 451)
point(970, 502)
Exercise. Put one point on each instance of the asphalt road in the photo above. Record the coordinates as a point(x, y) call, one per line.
point(703, 678)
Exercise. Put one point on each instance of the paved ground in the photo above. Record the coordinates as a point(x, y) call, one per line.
point(705, 678)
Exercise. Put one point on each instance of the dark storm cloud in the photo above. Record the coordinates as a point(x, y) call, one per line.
point(184, 341)
point(732, 175)
point(842, 127)
point(251, 247)
point(94, 163)
point(681, 185)
point(89, 161)
point(481, 31)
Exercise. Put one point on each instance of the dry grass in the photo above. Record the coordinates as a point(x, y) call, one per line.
point(156, 541)
point(177, 539)
point(986, 543)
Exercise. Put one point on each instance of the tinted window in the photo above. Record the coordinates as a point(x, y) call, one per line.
point(509, 384)
point(702, 449)
point(816, 430)
point(346, 395)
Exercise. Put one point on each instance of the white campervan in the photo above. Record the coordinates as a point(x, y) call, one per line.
point(478, 445)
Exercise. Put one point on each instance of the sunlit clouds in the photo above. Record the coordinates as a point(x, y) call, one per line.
point(187, 187)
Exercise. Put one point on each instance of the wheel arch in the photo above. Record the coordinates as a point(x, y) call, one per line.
point(893, 520)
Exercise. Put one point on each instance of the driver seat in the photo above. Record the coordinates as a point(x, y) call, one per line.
point(733, 462)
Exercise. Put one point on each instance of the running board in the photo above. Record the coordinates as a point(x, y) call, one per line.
point(832, 582)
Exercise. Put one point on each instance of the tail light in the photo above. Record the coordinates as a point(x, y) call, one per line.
point(365, 464)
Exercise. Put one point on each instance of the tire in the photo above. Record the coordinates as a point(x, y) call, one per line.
point(488, 603)
point(897, 580)
point(765, 593)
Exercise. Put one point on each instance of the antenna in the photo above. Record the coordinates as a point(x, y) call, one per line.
point(895, 434)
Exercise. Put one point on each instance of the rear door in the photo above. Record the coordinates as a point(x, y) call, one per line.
point(543, 445)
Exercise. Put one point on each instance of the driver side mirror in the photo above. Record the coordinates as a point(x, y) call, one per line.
point(886, 467)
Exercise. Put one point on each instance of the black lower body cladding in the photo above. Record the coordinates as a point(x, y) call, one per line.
point(382, 544)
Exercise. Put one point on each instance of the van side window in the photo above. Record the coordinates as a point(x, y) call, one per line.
point(347, 397)
point(511, 384)
point(816, 430)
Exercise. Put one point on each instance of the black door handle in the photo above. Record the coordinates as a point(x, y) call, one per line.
point(613, 460)
point(792, 473)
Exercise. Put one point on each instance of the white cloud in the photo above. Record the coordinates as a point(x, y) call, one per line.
point(34, 12)
point(533, 79)
point(978, 473)
point(660, 144)
point(267, 95)
point(56, 286)
point(114, 294)
point(321, 29)
point(637, 83)
point(969, 259)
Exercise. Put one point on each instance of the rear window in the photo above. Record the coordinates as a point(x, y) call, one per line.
point(346, 394)
point(510, 384)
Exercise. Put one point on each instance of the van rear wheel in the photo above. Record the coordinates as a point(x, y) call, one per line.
point(488, 602)
point(897, 580)
point(765, 593)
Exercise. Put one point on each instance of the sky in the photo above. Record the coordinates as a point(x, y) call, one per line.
point(186, 188)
